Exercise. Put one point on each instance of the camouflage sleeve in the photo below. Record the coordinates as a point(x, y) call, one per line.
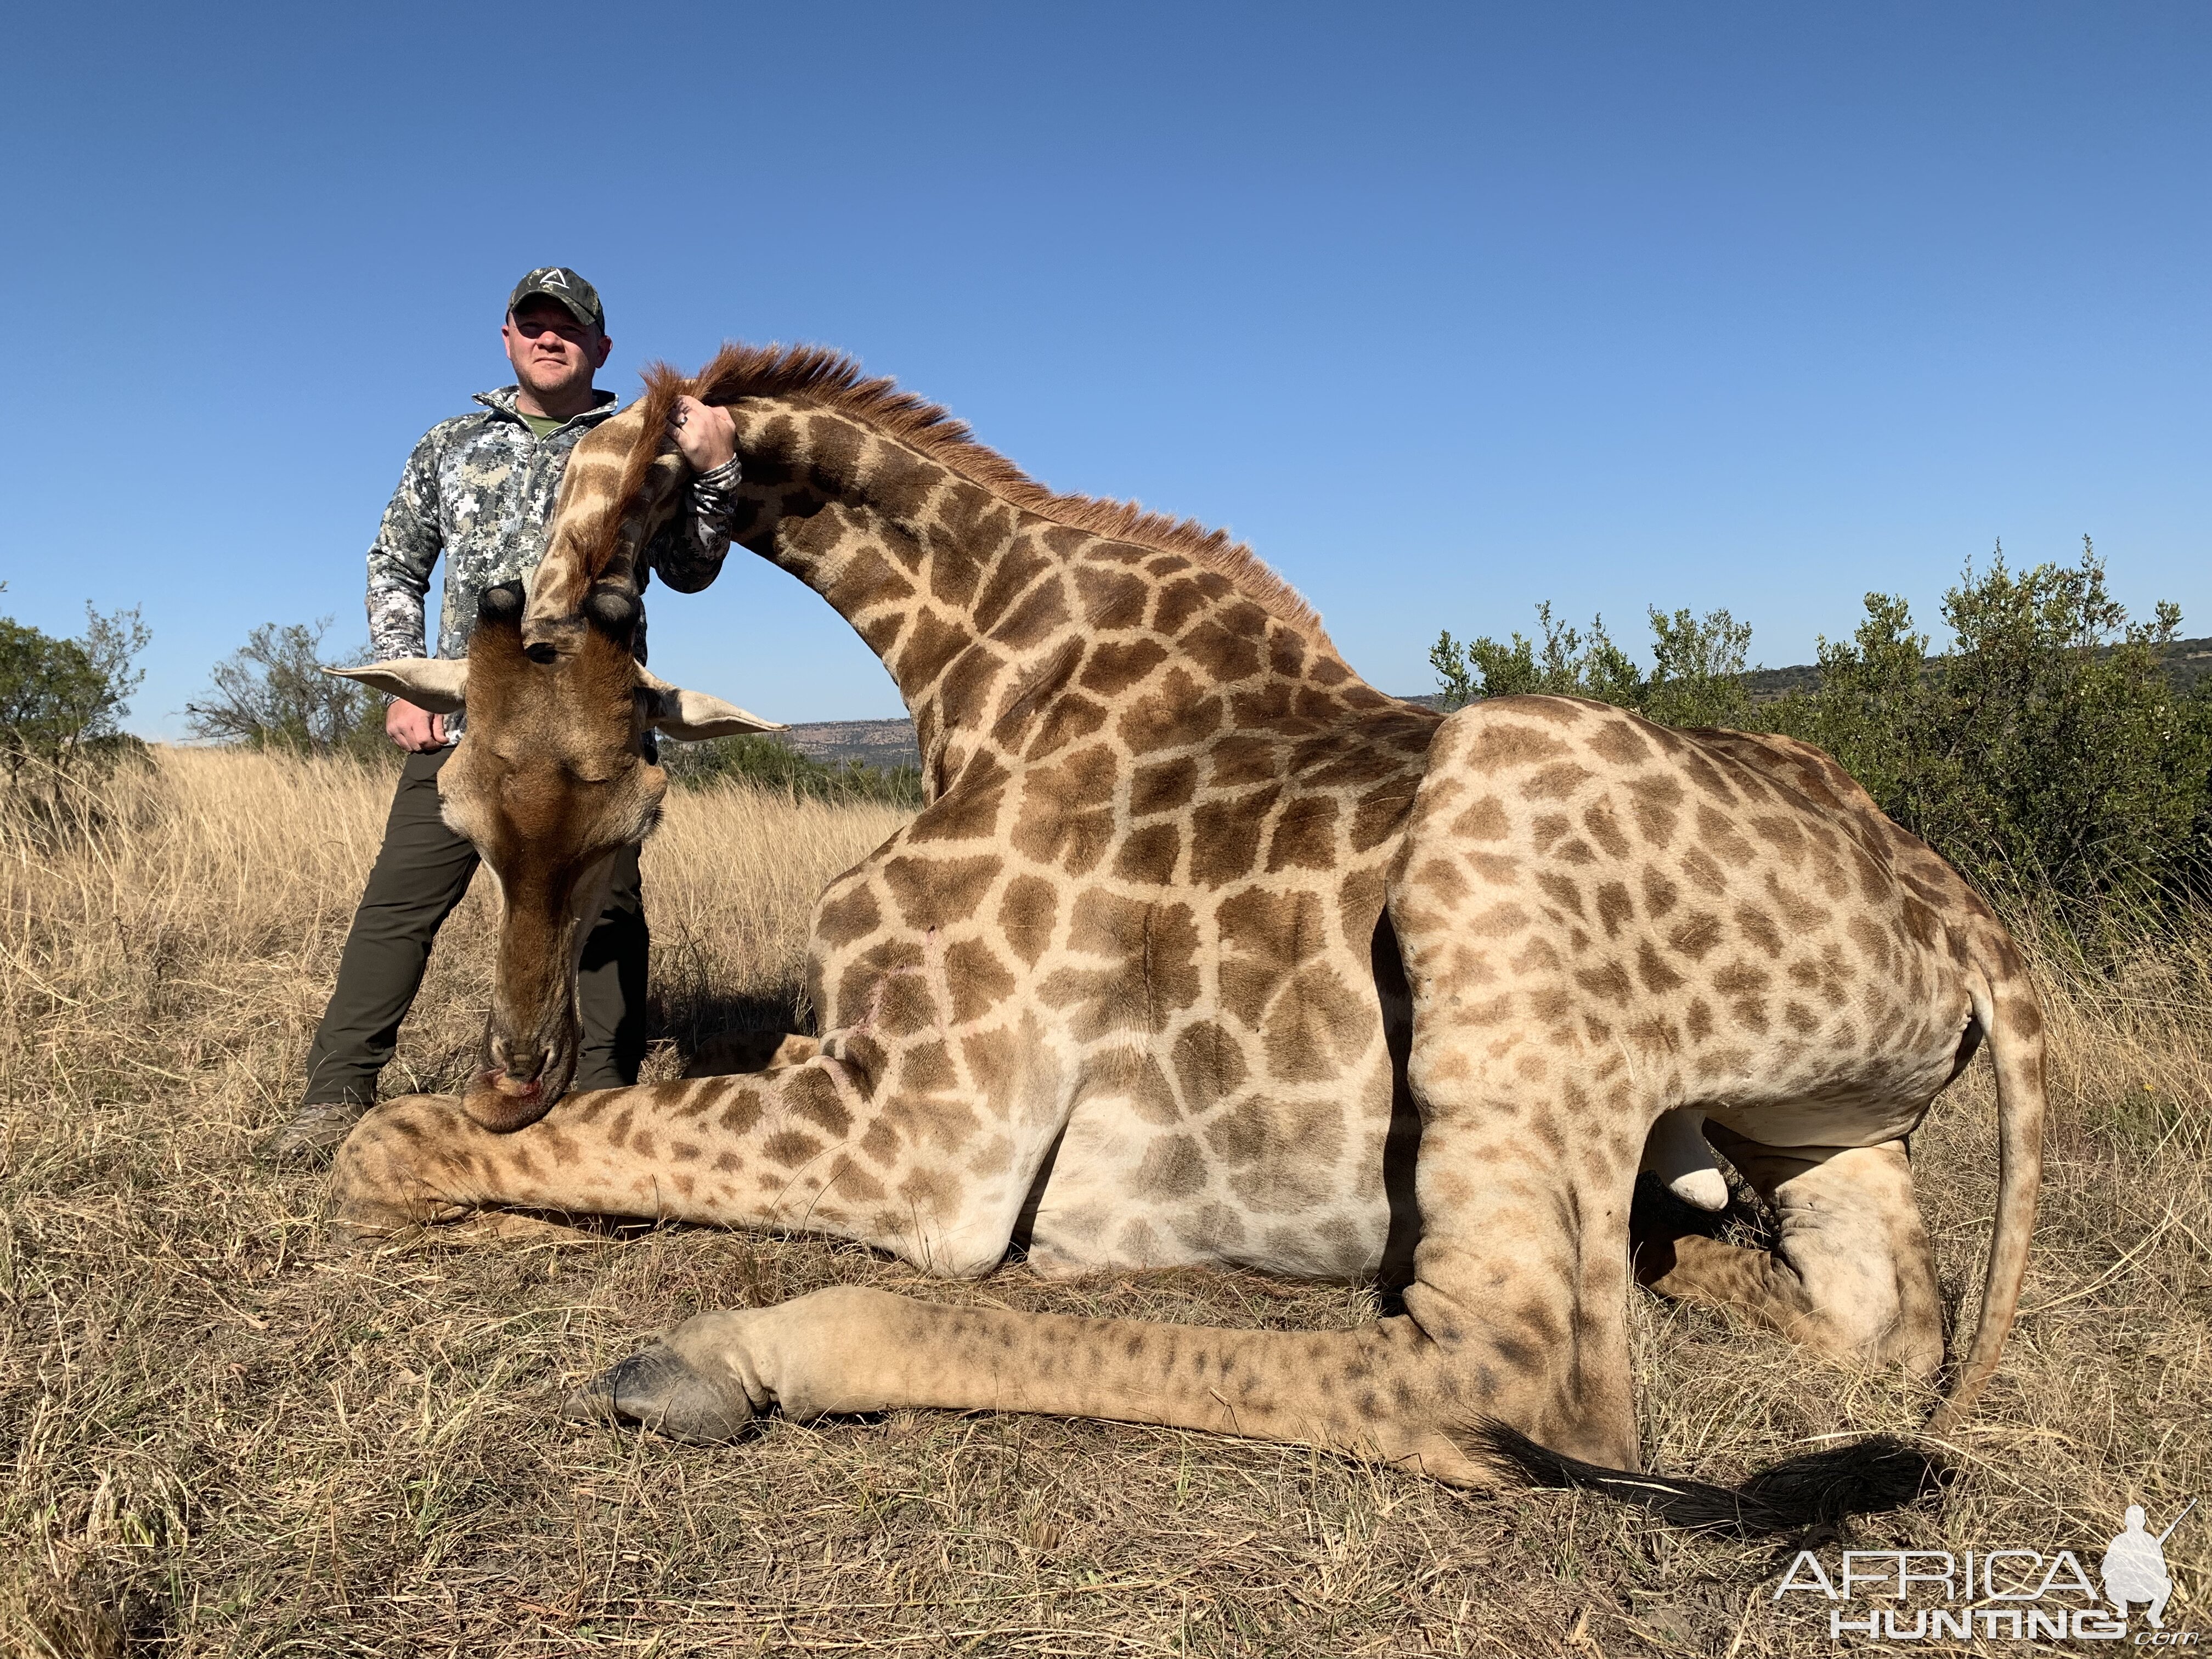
point(407, 544)
point(688, 553)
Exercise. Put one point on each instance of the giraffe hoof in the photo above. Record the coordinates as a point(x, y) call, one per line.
point(659, 1390)
point(1706, 1188)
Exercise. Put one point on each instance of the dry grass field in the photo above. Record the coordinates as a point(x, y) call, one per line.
point(217, 1439)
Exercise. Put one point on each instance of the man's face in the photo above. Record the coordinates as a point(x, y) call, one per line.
point(551, 351)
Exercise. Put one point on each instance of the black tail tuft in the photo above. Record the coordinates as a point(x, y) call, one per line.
point(1879, 1473)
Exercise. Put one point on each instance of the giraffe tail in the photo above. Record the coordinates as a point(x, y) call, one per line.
point(1877, 1473)
point(2011, 1018)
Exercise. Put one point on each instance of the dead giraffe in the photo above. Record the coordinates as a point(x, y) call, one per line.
point(1204, 951)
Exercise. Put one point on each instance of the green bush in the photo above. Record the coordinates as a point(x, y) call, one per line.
point(2045, 752)
point(62, 704)
point(62, 700)
point(1696, 679)
point(762, 763)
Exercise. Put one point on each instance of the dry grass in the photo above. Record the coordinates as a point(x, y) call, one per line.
point(215, 1440)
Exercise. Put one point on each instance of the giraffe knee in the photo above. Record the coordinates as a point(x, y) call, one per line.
point(1868, 1315)
point(1853, 1238)
point(1866, 1298)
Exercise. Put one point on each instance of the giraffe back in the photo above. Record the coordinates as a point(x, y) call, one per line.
point(1642, 919)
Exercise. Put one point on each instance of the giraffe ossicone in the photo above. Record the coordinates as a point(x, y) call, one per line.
point(1203, 950)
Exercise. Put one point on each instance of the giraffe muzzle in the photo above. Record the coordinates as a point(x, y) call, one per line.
point(513, 1090)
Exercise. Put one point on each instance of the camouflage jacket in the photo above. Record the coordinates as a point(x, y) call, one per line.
point(479, 488)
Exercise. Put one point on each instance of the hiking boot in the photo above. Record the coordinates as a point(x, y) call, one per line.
point(312, 1135)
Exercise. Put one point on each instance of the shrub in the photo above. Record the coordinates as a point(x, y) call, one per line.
point(1568, 663)
point(1697, 674)
point(62, 700)
point(1698, 670)
point(2046, 751)
point(273, 693)
point(62, 704)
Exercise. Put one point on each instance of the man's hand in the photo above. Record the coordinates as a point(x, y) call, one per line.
point(416, 730)
point(707, 434)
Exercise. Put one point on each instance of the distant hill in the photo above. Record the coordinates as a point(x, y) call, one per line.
point(2187, 662)
point(891, 744)
point(887, 744)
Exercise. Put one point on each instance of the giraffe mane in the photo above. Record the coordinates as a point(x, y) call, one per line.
point(821, 378)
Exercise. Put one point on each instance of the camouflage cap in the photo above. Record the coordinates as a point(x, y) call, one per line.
point(558, 282)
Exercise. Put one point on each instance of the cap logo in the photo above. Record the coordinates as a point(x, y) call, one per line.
point(553, 279)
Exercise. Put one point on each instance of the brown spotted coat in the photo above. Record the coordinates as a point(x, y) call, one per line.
point(1204, 951)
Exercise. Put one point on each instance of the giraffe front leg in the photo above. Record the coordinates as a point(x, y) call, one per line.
point(798, 1148)
point(420, 1161)
point(394, 1174)
point(1381, 1393)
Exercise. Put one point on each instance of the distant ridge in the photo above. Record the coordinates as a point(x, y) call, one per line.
point(886, 744)
point(890, 743)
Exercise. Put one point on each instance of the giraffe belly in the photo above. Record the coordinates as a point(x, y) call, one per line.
point(1874, 1099)
point(1085, 1228)
point(1847, 1118)
point(1289, 1183)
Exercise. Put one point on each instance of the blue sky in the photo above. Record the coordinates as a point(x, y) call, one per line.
point(1447, 310)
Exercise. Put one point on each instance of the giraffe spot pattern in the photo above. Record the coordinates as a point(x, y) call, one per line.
point(1140, 904)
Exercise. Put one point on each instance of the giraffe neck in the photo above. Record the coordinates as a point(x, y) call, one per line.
point(996, 623)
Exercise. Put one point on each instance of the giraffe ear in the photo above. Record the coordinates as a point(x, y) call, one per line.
point(693, 716)
point(439, 684)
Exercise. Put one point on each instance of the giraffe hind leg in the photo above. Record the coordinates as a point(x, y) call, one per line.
point(1852, 1273)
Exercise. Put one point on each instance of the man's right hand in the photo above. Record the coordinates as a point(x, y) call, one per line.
point(416, 730)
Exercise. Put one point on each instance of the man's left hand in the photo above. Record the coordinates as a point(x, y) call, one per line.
point(707, 434)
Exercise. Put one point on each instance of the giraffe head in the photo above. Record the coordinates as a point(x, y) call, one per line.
point(550, 782)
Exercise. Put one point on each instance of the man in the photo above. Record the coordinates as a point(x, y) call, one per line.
point(480, 488)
